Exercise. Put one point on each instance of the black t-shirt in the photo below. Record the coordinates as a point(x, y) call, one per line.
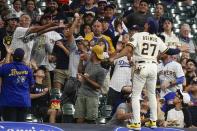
point(137, 19)
point(42, 101)
point(193, 112)
point(5, 37)
point(62, 59)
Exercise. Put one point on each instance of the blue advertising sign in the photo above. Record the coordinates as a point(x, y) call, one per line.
point(25, 126)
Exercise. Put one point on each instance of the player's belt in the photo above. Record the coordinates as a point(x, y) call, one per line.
point(146, 62)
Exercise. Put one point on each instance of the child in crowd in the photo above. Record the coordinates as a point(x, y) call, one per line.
point(40, 98)
point(179, 116)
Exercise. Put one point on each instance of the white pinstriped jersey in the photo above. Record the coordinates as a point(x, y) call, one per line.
point(170, 72)
point(147, 46)
point(122, 74)
point(171, 40)
point(21, 41)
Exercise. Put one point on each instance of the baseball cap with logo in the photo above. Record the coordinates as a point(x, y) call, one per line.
point(153, 25)
point(100, 1)
point(89, 13)
point(79, 40)
point(135, 27)
point(110, 5)
point(18, 54)
point(11, 16)
point(98, 50)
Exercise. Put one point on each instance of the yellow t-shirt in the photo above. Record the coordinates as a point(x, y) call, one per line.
point(89, 37)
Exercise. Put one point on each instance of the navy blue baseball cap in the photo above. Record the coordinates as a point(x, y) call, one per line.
point(18, 54)
point(110, 5)
point(168, 97)
point(135, 27)
point(153, 25)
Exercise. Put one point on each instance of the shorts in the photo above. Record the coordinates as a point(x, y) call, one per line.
point(86, 107)
point(60, 75)
point(113, 97)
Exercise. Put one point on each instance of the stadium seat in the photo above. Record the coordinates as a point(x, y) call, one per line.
point(176, 26)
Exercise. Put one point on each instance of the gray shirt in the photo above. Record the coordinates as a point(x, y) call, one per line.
point(97, 74)
point(74, 58)
point(115, 121)
point(39, 50)
point(192, 47)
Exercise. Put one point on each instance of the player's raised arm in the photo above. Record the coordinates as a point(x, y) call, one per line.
point(171, 51)
point(128, 49)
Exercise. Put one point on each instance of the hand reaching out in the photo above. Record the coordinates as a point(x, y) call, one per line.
point(60, 44)
point(119, 29)
point(184, 48)
point(111, 59)
point(165, 84)
point(34, 64)
point(61, 24)
point(80, 77)
point(8, 49)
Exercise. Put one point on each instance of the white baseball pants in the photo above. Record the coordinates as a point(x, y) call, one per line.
point(145, 78)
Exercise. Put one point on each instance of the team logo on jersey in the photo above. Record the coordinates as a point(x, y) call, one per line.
point(7, 40)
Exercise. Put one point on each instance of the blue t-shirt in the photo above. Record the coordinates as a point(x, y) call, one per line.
point(17, 79)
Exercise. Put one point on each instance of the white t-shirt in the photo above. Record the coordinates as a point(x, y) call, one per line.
point(121, 75)
point(171, 40)
point(50, 39)
point(18, 14)
point(170, 72)
point(147, 46)
point(21, 41)
point(176, 115)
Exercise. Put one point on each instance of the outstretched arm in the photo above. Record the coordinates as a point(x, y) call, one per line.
point(128, 49)
point(50, 29)
point(70, 33)
point(171, 51)
point(37, 29)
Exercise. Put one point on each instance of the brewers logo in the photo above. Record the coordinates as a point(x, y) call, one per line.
point(7, 40)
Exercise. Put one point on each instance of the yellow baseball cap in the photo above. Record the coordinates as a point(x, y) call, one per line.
point(98, 50)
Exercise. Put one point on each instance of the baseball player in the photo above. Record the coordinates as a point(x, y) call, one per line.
point(146, 46)
point(170, 74)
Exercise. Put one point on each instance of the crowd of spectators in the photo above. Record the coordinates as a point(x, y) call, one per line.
point(55, 63)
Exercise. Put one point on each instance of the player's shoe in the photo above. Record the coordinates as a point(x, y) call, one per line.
point(151, 124)
point(134, 126)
